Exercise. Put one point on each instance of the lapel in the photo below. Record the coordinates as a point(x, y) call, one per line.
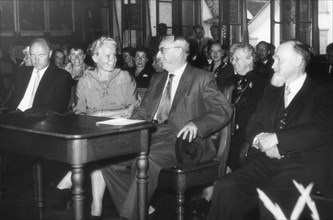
point(27, 77)
point(158, 92)
point(183, 86)
point(299, 100)
point(275, 100)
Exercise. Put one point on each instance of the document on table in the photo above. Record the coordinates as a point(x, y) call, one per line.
point(119, 121)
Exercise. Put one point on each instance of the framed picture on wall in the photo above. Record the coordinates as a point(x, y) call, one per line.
point(7, 16)
point(31, 15)
point(61, 15)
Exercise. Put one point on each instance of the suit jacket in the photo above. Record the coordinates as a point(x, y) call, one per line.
point(197, 99)
point(53, 91)
point(307, 136)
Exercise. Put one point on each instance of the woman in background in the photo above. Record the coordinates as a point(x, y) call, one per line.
point(76, 67)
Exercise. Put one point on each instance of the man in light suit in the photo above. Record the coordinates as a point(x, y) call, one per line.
point(198, 109)
point(42, 87)
point(291, 137)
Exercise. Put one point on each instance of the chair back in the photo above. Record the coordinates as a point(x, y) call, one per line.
point(6, 88)
point(225, 137)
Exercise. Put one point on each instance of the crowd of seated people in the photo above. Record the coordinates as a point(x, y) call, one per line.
point(109, 86)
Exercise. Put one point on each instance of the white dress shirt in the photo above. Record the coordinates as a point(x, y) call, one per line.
point(294, 87)
point(30, 92)
point(175, 82)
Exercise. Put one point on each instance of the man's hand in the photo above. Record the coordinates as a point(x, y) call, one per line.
point(190, 129)
point(273, 153)
point(266, 141)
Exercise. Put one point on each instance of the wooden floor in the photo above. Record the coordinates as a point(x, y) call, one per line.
point(18, 203)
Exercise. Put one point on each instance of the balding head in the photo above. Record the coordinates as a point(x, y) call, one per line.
point(40, 53)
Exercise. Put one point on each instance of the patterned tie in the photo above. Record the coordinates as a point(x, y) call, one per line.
point(286, 93)
point(165, 103)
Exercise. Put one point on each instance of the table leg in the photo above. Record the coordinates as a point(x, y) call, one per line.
point(142, 166)
point(78, 191)
point(38, 180)
point(1, 192)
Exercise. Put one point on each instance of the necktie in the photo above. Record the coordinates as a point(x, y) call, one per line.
point(165, 103)
point(36, 83)
point(286, 93)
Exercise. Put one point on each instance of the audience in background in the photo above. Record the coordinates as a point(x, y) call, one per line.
point(58, 58)
point(161, 30)
point(206, 55)
point(128, 54)
point(265, 60)
point(143, 69)
point(321, 66)
point(329, 56)
point(249, 88)
point(27, 59)
point(12, 59)
point(215, 32)
point(223, 71)
point(5, 66)
point(64, 49)
point(199, 37)
point(76, 67)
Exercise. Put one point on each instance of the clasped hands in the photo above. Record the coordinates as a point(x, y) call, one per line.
point(267, 143)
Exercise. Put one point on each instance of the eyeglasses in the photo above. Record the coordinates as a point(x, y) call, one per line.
point(163, 49)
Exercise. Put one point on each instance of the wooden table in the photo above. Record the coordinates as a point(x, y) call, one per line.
point(77, 140)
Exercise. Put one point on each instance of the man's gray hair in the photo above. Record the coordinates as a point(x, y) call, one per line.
point(180, 42)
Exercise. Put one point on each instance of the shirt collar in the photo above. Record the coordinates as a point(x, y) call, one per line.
point(179, 72)
point(296, 85)
point(40, 72)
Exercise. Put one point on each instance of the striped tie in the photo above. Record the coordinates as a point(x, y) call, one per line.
point(165, 103)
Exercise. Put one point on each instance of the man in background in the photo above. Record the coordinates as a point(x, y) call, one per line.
point(265, 60)
point(199, 37)
point(161, 30)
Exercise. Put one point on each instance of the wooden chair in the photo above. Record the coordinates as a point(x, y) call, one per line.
point(179, 179)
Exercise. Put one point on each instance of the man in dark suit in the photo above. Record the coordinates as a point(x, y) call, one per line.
point(265, 60)
point(42, 87)
point(196, 109)
point(291, 137)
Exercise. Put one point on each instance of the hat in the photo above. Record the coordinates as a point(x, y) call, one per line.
point(188, 153)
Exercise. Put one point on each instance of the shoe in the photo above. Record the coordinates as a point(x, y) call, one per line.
point(151, 213)
point(94, 217)
point(202, 207)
